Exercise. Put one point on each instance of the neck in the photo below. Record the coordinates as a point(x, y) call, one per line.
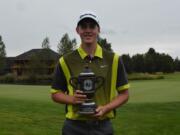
point(89, 48)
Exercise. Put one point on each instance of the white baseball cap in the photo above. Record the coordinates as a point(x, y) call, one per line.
point(90, 15)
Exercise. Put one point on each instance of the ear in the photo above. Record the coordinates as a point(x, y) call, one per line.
point(77, 30)
point(99, 29)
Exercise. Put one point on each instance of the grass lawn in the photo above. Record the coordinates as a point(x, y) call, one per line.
point(153, 109)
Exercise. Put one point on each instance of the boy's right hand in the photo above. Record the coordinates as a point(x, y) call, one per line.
point(79, 97)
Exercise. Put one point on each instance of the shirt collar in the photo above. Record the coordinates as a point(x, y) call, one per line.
point(98, 52)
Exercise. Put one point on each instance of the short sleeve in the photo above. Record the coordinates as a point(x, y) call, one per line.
point(59, 81)
point(122, 80)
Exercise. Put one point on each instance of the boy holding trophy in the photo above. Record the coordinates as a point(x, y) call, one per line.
point(91, 82)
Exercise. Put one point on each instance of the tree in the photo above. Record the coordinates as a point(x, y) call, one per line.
point(66, 45)
point(167, 63)
point(157, 62)
point(2, 55)
point(127, 63)
point(104, 44)
point(177, 64)
point(151, 51)
point(138, 63)
point(151, 61)
point(45, 43)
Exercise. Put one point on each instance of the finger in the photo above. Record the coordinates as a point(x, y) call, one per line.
point(79, 92)
point(81, 99)
point(98, 114)
point(80, 96)
point(79, 102)
point(98, 109)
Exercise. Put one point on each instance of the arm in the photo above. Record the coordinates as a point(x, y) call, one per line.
point(121, 98)
point(63, 98)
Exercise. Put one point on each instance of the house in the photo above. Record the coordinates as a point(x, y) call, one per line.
point(20, 64)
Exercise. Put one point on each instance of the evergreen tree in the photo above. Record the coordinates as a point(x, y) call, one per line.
point(2, 48)
point(177, 64)
point(104, 44)
point(138, 63)
point(66, 45)
point(150, 61)
point(2, 55)
point(127, 63)
point(167, 63)
point(45, 43)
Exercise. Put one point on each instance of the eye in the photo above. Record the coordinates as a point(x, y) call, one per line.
point(88, 23)
point(92, 26)
point(83, 26)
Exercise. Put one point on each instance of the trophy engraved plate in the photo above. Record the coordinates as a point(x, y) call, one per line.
point(88, 84)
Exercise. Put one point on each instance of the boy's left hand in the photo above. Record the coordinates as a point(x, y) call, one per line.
point(100, 111)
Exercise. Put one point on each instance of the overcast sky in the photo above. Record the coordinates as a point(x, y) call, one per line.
point(131, 26)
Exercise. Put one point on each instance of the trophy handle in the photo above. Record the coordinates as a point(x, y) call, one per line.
point(100, 81)
point(74, 82)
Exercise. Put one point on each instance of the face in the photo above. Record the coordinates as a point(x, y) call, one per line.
point(88, 31)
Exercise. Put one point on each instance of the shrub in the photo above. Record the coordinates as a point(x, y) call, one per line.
point(145, 76)
point(8, 78)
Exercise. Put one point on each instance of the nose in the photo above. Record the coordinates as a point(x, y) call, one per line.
point(87, 29)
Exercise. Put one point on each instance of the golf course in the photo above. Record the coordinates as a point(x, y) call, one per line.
point(153, 109)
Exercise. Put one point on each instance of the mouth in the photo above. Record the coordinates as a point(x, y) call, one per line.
point(88, 36)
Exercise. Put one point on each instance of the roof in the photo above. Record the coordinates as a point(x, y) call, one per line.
point(47, 54)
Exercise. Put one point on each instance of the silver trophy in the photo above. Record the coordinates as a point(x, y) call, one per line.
point(87, 82)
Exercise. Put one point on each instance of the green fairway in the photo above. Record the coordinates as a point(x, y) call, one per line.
point(153, 109)
point(155, 91)
point(25, 92)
